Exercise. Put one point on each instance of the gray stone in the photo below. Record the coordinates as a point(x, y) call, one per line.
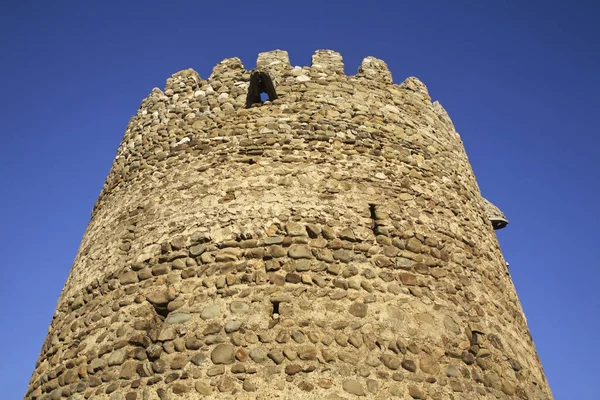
point(299, 251)
point(233, 326)
point(117, 357)
point(178, 318)
point(210, 311)
point(197, 250)
point(451, 371)
point(451, 325)
point(223, 354)
point(239, 307)
point(274, 240)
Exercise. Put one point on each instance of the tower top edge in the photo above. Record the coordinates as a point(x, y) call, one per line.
point(324, 63)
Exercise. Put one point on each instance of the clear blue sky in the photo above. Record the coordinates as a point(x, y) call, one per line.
point(519, 79)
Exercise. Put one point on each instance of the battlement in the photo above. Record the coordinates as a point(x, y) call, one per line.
point(326, 68)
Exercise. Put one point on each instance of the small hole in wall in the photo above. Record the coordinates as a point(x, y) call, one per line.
point(275, 313)
point(373, 212)
point(161, 311)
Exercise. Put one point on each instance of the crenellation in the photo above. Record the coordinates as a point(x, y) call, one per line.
point(327, 62)
point(375, 69)
point(332, 243)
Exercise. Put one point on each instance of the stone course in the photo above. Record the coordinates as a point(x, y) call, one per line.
point(330, 244)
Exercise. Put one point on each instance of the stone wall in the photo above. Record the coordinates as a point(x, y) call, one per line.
point(330, 244)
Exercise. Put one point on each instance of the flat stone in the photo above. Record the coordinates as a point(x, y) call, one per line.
point(233, 326)
point(192, 343)
point(451, 371)
point(429, 365)
point(158, 297)
point(343, 255)
point(215, 370)
point(306, 386)
point(210, 311)
point(223, 354)
point(276, 356)
point(295, 229)
point(353, 387)
point(358, 309)
point(117, 357)
point(128, 369)
point(415, 392)
point(258, 355)
point(307, 352)
point(274, 240)
point(178, 318)
point(451, 325)
point(249, 385)
point(299, 251)
point(409, 365)
point(128, 277)
point(197, 250)
point(178, 264)
point(179, 361)
point(203, 388)
point(161, 269)
point(180, 388)
point(390, 361)
point(292, 369)
point(159, 366)
point(239, 307)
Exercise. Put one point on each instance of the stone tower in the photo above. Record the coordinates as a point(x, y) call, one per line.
point(328, 243)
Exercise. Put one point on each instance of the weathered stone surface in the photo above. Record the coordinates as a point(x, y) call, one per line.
point(299, 251)
point(358, 309)
point(223, 354)
point(202, 388)
point(352, 386)
point(210, 311)
point(178, 318)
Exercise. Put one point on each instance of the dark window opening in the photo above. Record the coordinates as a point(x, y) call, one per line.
point(261, 89)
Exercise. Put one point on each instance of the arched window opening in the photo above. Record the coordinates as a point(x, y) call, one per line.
point(260, 82)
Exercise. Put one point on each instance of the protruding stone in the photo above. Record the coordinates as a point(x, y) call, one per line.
point(178, 318)
point(223, 354)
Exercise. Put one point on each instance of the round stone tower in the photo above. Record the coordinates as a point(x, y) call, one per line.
point(330, 242)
